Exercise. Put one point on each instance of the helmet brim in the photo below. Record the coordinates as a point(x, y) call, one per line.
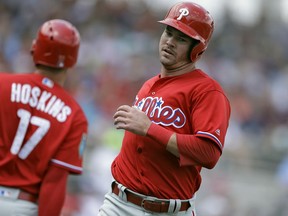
point(187, 30)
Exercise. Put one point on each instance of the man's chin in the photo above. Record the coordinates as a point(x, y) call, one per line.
point(165, 61)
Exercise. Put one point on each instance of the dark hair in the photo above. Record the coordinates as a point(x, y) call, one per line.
point(193, 44)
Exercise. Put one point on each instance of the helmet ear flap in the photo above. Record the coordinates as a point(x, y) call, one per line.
point(197, 51)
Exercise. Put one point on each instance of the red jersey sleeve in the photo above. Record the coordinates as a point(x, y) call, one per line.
point(211, 117)
point(69, 156)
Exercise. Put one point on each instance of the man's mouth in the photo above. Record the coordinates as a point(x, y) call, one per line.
point(168, 51)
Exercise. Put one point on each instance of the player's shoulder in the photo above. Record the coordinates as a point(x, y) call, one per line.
point(79, 115)
point(207, 81)
point(71, 100)
point(152, 80)
point(5, 75)
point(11, 76)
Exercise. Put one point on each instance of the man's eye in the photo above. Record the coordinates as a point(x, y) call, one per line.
point(181, 39)
point(168, 33)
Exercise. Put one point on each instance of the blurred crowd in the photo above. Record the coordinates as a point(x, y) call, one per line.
point(119, 51)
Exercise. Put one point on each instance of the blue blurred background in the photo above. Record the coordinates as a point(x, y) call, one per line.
point(248, 55)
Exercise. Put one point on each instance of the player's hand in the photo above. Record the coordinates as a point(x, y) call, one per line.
point(131, 119)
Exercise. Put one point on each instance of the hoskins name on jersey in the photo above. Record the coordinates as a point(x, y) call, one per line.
point(41, 100)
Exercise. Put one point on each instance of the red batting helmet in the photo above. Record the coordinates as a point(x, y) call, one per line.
point(194, 21)
point(56, 45)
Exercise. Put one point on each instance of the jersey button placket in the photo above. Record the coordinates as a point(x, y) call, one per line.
point(139, 150)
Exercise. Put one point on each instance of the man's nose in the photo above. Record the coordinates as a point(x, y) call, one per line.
point(171, 41)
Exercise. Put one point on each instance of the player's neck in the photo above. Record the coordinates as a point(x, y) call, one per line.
point(58, 76)
point(166, 72)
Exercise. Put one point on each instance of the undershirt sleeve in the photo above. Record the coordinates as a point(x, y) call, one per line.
point(194, 151)
point(52, 192)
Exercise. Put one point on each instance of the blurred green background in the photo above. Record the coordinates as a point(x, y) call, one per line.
point(248, 55)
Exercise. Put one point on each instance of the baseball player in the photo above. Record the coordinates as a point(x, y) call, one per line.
point(42, 128)
point(176, 126)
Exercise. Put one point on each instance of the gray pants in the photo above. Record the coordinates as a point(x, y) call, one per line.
point(11, 206)
point(115, 206)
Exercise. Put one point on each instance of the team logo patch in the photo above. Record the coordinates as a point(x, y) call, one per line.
point(82, 144)
point(47, 82)
point(183, 12)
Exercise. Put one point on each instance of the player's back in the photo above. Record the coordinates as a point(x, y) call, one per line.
point(38, 120)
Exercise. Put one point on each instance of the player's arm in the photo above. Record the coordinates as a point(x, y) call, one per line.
point(198, 151)
point(53, 191)
point(210, 122)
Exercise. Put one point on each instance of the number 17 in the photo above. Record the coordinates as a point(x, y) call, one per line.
point(25, 120)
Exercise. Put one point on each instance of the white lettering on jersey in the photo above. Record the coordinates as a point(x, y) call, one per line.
point(22, 147)
point(160, 114)
point(15, 92)
point(41, 100)
point(183, 12)
point(35, 93)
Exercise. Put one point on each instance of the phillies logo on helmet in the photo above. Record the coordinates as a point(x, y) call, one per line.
point(183, 12)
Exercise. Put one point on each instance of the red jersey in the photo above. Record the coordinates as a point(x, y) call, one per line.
point(40, 125)
point(191, 104)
